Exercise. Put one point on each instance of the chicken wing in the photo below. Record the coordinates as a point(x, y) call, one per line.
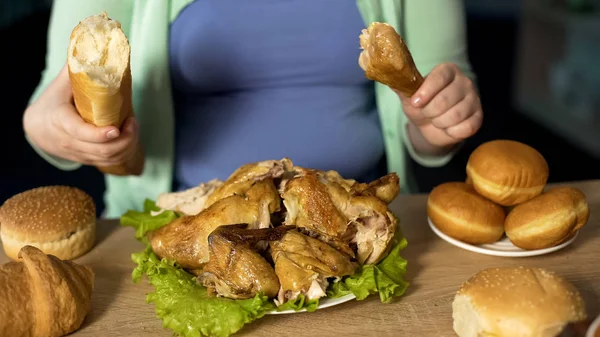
point(330, 208)
point(244, 178)
point(386, 59)
point(185, 240)
point(235, 270)
point(303, 265)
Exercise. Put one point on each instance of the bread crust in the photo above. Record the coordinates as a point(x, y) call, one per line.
point(549, 219)
point(43, 296)
point(458, 211)
point(507, 172)
point(101, 103)
point(59, 220)
point(514, 301)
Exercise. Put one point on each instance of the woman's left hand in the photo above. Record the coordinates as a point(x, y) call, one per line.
point(445, 109)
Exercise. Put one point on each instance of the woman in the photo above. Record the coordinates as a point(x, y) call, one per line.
point(254, 80)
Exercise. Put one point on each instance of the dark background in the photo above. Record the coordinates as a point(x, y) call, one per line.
point(493, 35)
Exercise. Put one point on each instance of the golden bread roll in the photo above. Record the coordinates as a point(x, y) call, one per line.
point(98, 62)
point(458, 211)
point(547, 220)
point(59, 220)
point(43, 296)
point(516, 301)
point(386, 59)
point(507, 172)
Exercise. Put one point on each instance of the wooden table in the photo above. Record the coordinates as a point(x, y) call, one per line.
point(436, 270)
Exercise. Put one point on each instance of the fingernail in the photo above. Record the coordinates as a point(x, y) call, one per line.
point(416, 100)
point(112, 134)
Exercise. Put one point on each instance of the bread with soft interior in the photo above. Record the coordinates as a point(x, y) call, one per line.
point(507, 172)
point(59, 220)
point(516, 302)
point(548, 219)
point(458, 211)
point(98, 60)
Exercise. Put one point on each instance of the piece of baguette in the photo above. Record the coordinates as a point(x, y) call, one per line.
point(43, 296)
point(386, 59)
point(98, 60)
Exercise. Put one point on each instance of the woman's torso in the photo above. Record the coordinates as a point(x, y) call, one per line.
point(266, 79)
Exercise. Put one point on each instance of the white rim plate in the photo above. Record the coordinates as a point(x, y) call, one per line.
point(595, 326)
point(323, 303)
point(501, 248)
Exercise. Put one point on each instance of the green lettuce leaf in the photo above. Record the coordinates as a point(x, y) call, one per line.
point(385, 278)
point(300, 303)
point(187, 308)
point(144, 222)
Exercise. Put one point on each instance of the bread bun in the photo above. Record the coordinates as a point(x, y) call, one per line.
point(547, 220)
point(58, 220)
point(516, 301)
point(507, 172)
point(458, 211)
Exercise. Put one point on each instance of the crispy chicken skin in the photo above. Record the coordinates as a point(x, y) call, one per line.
point(185, 240)
point(235, 269)
point(333, 211)
point(240, 181)
point(386, 59)
point(303, 265)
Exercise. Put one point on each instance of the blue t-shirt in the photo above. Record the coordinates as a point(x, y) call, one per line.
point(267, 79)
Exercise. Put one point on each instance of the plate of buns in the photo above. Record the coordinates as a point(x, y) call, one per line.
point(504, 208)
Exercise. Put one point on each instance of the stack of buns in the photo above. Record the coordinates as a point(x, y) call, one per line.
point(59, 220)
point(505, 193)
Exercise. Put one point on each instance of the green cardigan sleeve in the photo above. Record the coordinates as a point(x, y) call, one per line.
point(435, 32)
point(65, 15)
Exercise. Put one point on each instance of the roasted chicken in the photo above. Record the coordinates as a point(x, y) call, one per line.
point(235, 269)
point(325, 228)
point(386, 59)
point(240, 181)
point(333, 211)
point(185, 240)
point(303, 265)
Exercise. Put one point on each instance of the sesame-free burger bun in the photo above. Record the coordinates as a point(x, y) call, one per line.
point(516, 302)
point(458, 211)
point(548, 219)
point(59, 220)
point(507, 172)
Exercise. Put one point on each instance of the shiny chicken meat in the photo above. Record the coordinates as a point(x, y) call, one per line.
point(303, 265)
point(235, 269)
point(386, 59)
point(185, 240)
point(331, 226)
point(341, 215)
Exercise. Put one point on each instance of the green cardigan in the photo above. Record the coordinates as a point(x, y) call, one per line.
point(434, 31)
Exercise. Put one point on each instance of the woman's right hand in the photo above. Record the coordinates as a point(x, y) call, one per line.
point(53, 124)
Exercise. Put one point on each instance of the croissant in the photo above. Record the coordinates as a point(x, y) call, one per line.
point(43, 296)
point(386, 59)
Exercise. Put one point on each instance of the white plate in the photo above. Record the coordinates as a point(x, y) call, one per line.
point(323, 303)
point(595, 326)
point(501, 248)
